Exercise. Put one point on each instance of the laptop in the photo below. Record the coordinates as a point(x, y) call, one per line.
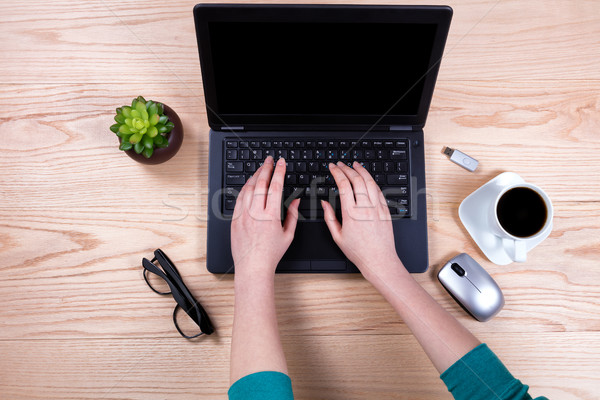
point(317, 84)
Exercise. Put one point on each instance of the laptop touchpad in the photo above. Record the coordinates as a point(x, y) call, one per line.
point(312, 240)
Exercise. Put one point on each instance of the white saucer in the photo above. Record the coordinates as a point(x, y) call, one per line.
point(474, 214)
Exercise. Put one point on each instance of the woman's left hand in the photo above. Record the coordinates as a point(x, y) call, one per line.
point(258, 239)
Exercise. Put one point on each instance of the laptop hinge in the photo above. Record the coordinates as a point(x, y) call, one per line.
point(400, 128)
point(232, 128)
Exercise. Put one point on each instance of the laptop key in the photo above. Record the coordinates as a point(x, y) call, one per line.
point(398, 155)
point(244, 154)
point(290, 179)
point(238, 179)
point(402, 166)
point(301, 166)
point(394, 191)
point(231, 144)
point(249, 166)
point(397, 179)
point(229, 203)
point(234, 166)
point(379, 179)
point(303, 179)
point(282, 153)
point(257, 154)
point(322, 191)
point(313, 166)
point(232, 191)
point(307, 154)
point(403, 210)
point(231, 154)
point(295, 192)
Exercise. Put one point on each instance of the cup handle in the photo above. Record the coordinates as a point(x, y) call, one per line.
point(520, 251)
point(516, 249)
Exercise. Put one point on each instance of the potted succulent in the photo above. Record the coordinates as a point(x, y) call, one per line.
point(149, 132)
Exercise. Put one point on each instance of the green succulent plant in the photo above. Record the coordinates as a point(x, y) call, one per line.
point(142, 127)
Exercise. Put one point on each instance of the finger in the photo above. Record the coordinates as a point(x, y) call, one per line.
point(358, 184)
point(262, 185)
point(375, 194)
point(345, 189)
point(239, 205)
point(291, 219)
point(248, 189)
point(332, 223)
point(276, 187)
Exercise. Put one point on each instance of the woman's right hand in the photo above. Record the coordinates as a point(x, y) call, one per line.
point(365, 236)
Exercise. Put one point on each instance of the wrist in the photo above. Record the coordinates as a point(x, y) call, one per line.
point(381, 270)
point(254, 274)
point(387, 274)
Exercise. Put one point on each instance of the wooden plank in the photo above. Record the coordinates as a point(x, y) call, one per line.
point(531, 128)
point(83, 278)
point(558, 365)
point(115, 41)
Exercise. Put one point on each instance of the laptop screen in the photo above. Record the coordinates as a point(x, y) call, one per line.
point(320, 68)
point(299, 67)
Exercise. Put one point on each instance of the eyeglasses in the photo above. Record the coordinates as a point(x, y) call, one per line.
point(180, 293)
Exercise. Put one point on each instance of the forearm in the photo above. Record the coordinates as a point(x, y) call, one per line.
point(255, 343)
point(444, 339)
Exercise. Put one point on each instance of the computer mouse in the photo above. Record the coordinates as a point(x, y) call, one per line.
point(472, 287)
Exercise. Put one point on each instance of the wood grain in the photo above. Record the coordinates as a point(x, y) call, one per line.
point(322, 367)
point(519, 89)
point(115, 41)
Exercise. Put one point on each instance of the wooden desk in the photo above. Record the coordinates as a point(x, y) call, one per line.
point(519, 89)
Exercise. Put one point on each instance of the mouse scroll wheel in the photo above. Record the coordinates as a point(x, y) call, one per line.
point(458, 269)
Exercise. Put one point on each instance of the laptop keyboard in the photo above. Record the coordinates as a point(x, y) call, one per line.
point(307, 174)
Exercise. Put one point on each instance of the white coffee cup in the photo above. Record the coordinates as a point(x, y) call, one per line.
point(520, 214)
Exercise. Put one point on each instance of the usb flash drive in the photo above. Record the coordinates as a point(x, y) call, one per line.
point(460, 158)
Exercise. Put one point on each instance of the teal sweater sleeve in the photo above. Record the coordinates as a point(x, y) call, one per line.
point(265, 385)
point(480, 375)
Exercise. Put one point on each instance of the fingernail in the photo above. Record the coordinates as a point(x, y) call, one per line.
point(269, 159)
point(331, 165)
point(281, 161)
point(339, 163)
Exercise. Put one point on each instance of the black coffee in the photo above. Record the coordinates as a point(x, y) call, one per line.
point(522, 212)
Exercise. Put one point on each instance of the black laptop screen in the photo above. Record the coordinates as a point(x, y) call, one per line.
point(274, 68)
